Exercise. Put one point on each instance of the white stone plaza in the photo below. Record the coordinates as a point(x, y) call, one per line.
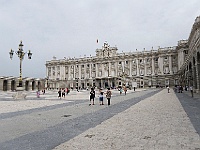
point(156, 122)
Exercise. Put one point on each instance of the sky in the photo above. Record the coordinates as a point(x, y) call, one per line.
point(70, 28)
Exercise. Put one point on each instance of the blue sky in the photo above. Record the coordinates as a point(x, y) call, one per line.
point(66, 28)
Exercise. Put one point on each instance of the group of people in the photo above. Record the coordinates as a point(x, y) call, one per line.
point(179, 89)
point(62, 92)
point(108, 94)
point(121, 90)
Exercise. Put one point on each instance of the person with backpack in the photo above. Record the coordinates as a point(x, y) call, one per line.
point(108, 95)
point(92, 96)
point(59, 93)
point(101, 97)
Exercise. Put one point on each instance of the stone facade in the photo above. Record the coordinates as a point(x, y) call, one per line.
point(11, 83)
point(189, 73)
point(169, 66)
point(112, 69)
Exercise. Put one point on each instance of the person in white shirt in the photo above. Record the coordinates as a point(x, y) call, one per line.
point(191, 90)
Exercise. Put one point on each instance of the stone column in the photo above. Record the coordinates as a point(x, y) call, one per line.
point(50, 73)
point(102, 71)
point(47, 70)
point(109, 68)
point(198, 77)
point(90, 72)
point(161, 64)
point(62, 74)
point(130, 65)
point(170, 64)
point(116, 68)
point(137, 63)
point(145, 67)
point(85, 74)
point(153, 65)
point(79, 71)
point(96, 68)
point(55, 73)
point(69, 72)
point(194, 77)
point(9, 85)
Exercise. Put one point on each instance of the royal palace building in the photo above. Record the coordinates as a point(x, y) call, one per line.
point(169, 66)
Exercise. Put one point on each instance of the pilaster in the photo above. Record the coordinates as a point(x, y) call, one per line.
point(153, 65)
point(69, 72)
point(138, 73)
point(79, 70)
point(90, 74)
point(170, 64)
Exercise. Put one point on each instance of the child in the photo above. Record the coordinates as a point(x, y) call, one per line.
point(101, 97)
point(120, 91)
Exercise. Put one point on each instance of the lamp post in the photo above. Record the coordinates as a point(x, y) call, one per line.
point(20, 53)
point(77, 84)
point(47, 83)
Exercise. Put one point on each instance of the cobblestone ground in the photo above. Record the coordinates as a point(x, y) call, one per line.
point(156, 123)
point(143, 120)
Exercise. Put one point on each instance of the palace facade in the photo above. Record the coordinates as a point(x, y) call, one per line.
point(169, 66)
point(112, 69)
point(189, 73)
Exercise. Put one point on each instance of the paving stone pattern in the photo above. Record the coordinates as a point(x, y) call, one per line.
point(42, 128)
point(144, 120)
point(156, 123)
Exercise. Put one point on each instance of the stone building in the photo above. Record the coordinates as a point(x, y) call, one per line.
point(112, 69)
point(189, 72)
point(11, 83)
point(169, 66)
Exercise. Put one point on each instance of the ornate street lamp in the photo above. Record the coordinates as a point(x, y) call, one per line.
point(77, 84)
point(20, 53)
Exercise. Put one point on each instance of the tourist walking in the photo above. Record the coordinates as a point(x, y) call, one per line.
point(38, 94)
point(63, 93)
point(125, 90)
point(67, 90)
point(191, 90)
point(134, 88)
point(168, 89)
point(120, 91)
point(59, 93)
point(101, 97)
point(181, 89)
point(92, 96)
point(108, 95)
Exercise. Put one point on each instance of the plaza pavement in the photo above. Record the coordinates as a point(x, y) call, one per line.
point(156, 123)
point(142, 120)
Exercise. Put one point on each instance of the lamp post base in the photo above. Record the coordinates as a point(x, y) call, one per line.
point(19, 94)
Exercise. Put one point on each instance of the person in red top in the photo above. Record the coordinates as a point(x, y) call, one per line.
point(108, 95)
